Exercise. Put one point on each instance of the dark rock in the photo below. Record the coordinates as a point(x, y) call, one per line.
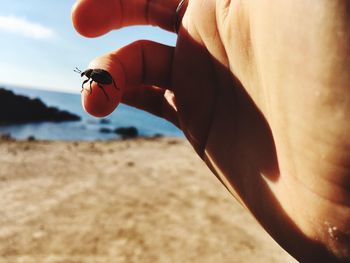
point(31, 138)
point(105, 130)
point(105, 121)
point(21, 109)
point(127, 132)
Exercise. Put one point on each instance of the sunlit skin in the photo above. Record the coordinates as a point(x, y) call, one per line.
point(261, 90)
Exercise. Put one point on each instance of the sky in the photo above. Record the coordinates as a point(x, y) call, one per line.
point(39, 47)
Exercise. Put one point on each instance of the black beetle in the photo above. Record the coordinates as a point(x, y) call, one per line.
point(100, 76)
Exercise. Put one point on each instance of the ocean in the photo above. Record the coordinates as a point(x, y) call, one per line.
point(88, 128)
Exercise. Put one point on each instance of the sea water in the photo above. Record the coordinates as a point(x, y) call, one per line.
point(88, 128)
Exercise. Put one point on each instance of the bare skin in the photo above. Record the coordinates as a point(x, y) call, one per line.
point(261, 90)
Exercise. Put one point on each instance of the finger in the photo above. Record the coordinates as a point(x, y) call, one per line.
point(142, 63)
point(92, 18)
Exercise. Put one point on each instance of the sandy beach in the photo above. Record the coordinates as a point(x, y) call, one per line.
point(141, 200)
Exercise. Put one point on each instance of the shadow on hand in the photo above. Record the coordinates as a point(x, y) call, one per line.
point(230, 133)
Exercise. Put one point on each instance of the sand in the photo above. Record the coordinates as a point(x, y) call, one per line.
point(142, 200)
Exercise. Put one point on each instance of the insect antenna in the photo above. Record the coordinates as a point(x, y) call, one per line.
point(77, 70)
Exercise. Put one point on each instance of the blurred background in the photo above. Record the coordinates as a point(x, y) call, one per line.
point(39, 49)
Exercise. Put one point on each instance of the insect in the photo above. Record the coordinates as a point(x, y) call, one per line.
point(100, 76)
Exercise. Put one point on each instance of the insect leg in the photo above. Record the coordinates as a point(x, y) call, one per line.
point(103, 90)
point(115, 85)
point(90, 86)
point(82, 85)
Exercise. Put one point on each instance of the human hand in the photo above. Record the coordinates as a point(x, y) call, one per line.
point(261, 91)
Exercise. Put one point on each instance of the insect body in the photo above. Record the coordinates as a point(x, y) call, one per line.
point(100, 76)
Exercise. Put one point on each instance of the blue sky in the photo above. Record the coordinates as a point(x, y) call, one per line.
point(39, 47)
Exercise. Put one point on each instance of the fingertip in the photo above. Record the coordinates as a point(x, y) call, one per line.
point(94, 18)
point(97, 104)
point(104, 98)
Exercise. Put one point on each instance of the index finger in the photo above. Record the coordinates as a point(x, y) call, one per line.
point(92, 18)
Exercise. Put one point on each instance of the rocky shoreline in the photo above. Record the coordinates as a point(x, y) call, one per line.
point(19, 109)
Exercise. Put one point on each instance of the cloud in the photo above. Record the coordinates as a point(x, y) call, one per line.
point(25, 28)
